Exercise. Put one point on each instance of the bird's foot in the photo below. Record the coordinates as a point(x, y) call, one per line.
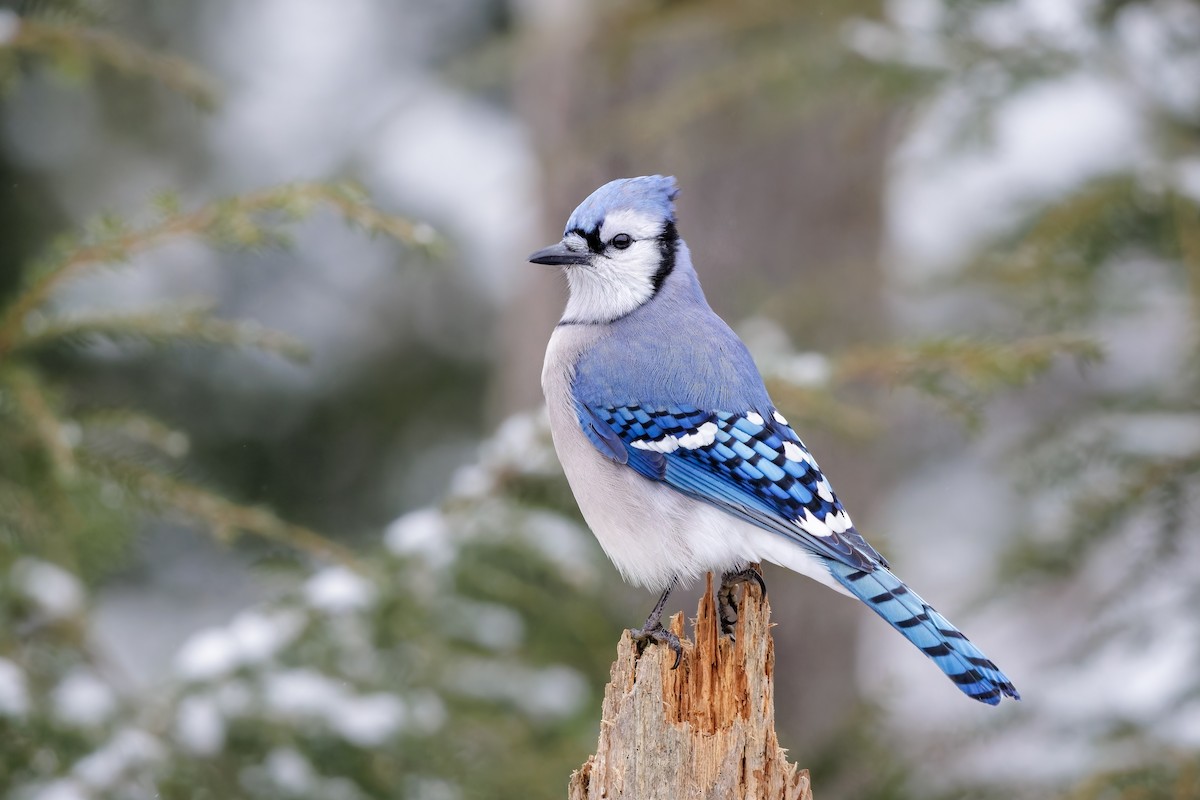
point(727, 604)
point(655, 632)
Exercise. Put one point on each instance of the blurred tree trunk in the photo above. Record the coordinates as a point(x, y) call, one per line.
point(704, 730)
point(780, 205)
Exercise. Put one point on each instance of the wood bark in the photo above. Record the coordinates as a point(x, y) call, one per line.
point(703, 731)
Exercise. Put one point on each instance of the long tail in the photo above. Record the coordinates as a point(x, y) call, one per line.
point(972, 672)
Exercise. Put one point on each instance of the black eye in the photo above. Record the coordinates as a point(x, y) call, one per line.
point(622, 240)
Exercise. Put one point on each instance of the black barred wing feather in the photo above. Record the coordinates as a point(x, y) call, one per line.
point(748, 464)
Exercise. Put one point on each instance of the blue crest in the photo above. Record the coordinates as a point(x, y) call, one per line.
point(649, 194)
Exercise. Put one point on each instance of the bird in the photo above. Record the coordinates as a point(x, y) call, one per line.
point(680, 463)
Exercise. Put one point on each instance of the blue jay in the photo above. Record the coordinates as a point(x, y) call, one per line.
point(679, 461)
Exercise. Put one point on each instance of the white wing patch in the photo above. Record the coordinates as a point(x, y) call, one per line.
point(795, 452)
point(705, 435)
point(813, 525)
point(824, 490)
point(755, 417)
point(779, 418)
point(839, 522)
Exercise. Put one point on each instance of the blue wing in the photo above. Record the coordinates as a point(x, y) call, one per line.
point(754, 466)
point(751, 465)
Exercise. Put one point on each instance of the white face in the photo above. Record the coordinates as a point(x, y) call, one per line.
point(617, 280)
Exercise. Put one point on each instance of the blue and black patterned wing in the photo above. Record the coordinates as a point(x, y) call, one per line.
point(756, 468)
point(752, 466)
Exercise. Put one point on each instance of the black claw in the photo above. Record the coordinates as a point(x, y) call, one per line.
point(726, 607)
point(660, 635)
point(653, 630)
point(730, 579)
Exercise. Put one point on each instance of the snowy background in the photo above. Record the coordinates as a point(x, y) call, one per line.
point(856, 179)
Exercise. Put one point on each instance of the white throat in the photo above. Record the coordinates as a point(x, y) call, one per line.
point(616, 281)
point(610, 288)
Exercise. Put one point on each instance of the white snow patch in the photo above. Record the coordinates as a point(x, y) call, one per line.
point(1046, 139)
point(562, 541)
point(56, 592)
point(1187, 178)
point(426, 711)
point(424, 534)
point(1160, 44)
point(805, 369)
point(301, 692)
point(10, 25)
point(367, 720)
point(471, 481)
point(233, 697)
point(83, 699)
point(207, 654)
point(424, 787)
point(338, 590)
point(552, 692)
point(290, 771)
point(252, 637)
point(129, 750)
point(63, 789)
point(521, 444)
point(200, 726)
point(14, 693)
point(492, 625)
point(257, 635)
point(923, 15)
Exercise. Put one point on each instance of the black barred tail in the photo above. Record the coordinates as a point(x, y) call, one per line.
point(963, 663)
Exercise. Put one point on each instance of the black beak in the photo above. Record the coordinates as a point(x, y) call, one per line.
point(557, 255)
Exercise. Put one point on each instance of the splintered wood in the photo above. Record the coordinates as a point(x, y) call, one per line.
point(705, 731)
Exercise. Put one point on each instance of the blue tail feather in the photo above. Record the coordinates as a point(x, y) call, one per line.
point(972, 672)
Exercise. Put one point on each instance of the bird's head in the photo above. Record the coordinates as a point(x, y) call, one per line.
point(618, 248)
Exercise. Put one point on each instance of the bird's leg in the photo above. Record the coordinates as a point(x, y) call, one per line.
point(726, 604)
point(654, 631)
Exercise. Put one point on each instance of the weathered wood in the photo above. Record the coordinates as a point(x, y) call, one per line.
point(705, 731)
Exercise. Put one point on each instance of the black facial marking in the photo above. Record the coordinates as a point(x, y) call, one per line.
point(667, 242)
point(592, 237)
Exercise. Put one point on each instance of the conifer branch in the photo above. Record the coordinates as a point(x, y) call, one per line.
point(959, 372)
point(36, 408)
point(162, 326)
point(73, 47)
point(962, 373)
point(980, 365)
point(227, 518)
point(241, 221)
point(135, 428)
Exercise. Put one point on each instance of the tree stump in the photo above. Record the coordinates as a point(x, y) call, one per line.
point(705, 731)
